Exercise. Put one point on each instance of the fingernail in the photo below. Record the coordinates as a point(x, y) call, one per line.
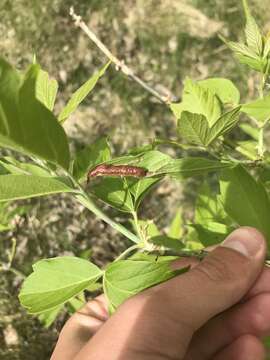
point(247, 241)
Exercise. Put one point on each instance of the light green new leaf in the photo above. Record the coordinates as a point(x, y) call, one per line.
point(258, 109)
point(245, 200)
point(140, 187)
point(148, 227)
point(258, 64)
point(113, 191)
point(193, 128)
point(12, 166)
point(176, 227)
point(48, 317)
point(55, 281)
point(177, 109)
point(96, 153)
point(247, 56)
point(125, 278)
point(152, 160)
point(81, 94)
point(191, 167)
point(250, 130)
point(26, 125)
point(248, 148)
point(266, 51)
point(208, 207)
point(14, 187)
point(46, 89)
point(224, 89)
point(198, 100)
point(211, 233)
point(223, 125)
point(167, 242)
point(253, 33)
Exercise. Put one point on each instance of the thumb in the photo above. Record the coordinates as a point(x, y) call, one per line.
point(221, 279)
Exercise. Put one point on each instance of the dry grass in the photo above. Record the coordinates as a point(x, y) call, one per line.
point(164, 41)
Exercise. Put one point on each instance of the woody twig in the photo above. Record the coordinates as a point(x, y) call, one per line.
point(120, 64)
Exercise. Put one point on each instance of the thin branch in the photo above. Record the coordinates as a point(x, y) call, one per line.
point(120, 64)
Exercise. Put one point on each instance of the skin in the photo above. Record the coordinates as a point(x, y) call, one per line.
point(219, 310)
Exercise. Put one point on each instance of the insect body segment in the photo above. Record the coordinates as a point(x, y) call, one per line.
point(116, 170)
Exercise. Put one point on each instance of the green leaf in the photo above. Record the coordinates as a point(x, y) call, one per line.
point(245, 200)
point(176, 228)
point(224, 89)
point(114, 191)
point(76, 303)
point(140, 188)
point(264, 174)
point(198, 100)
point(81, 94)
point(124, 160)
point(92, 155)
point(55, 281)
point(258, 109)
point(48, 317)
point(14, 187)
point(266, 343)
point(258, 64)
point(223, 125)
point(46, 89)
point(253, 33)
point(248, 148)
point(247, 56)
point(152, 160)
point(250, 130)
point(211, 233)
point(208, 207)
point(26, 125)
point(193, 128)
point(266, 51)
point(148, 227)
point(191, 167)
point(167, 242)
point(125, 278)
point(12, 166)
point(141, 149)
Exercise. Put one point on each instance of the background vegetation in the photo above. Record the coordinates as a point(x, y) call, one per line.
point(163, 41)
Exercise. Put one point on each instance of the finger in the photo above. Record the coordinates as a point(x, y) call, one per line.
point(262, 285)
point(185, 262)
point(246, 347)
point(253, 318)
point(97, 308)
point(79, 329)
point(220, 280)
point(168, 315)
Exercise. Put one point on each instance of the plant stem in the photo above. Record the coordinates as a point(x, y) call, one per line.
point(120, 64)
point(128, 251)
point(261, 143)
point(261, 132)
point(8, 268)
point(138, 228)
point(86, 201)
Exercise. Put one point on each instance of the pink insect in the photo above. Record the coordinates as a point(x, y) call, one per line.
point(116, 170)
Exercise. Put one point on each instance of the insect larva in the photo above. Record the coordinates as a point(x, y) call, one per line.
point(116, 170)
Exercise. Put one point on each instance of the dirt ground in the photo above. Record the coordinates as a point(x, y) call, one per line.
point(179, 39)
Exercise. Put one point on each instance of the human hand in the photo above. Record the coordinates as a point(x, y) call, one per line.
point(218, 310)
